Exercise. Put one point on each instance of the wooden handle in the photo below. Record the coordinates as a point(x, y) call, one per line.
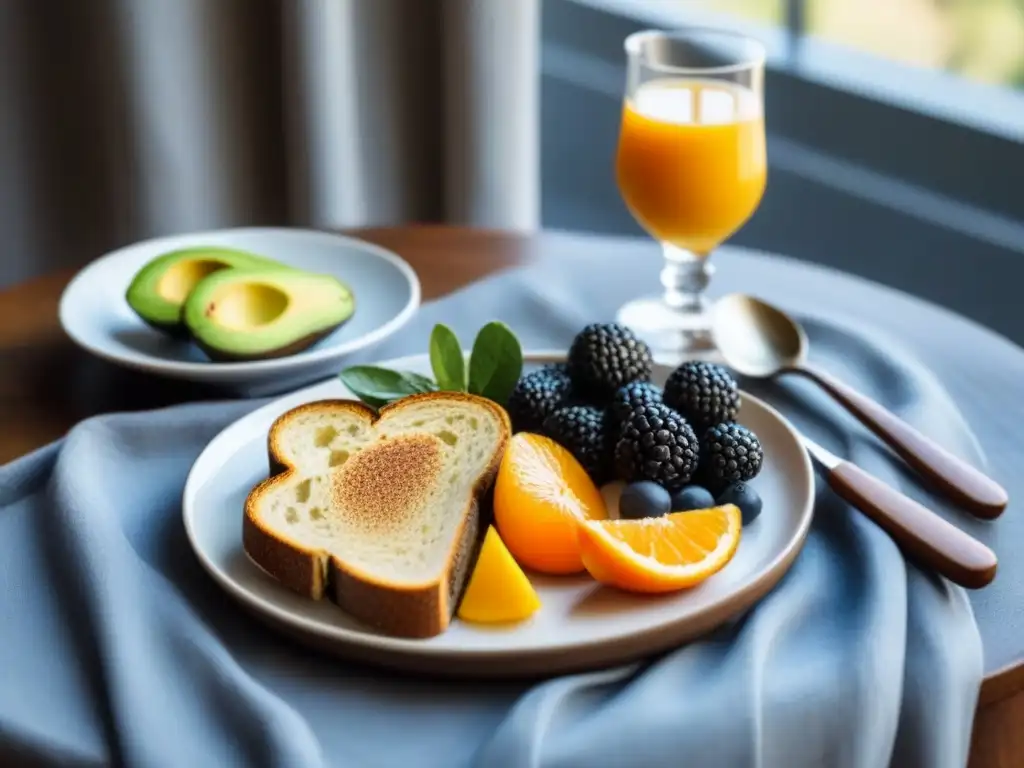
point(920, 532)
point(976, 492)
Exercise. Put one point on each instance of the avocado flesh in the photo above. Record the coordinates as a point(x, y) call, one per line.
point(158, 291)
point(256, 314)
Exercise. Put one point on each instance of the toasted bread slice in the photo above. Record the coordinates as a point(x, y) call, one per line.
point(378, 511)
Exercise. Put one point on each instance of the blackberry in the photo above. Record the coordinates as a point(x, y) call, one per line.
point(729, 453)
point(537, 395)
point(555, 368)
point(581, 429)
point(606, 356)
point(630, 397)
point(704, 393)
point(656, 443)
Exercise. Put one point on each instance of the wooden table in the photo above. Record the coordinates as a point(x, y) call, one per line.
point(47, 385)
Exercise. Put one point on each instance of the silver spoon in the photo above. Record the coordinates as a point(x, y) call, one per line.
point(760, 341)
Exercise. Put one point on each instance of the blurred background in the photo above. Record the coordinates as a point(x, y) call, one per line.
point(896, 127)
point(895, 133)
point(982, 40)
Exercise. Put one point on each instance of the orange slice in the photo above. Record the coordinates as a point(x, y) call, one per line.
point(661, 554)
point(541, 495)
point(498, 590)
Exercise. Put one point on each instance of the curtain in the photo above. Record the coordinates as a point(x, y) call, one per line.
point(126, 119)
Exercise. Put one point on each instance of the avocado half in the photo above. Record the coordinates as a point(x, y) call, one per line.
point(261, 313)
point(158, 291)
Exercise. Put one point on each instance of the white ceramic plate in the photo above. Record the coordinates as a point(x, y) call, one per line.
point(95, 314)
point(580, 624)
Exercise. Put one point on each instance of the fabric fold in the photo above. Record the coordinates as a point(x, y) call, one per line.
point(156, 668)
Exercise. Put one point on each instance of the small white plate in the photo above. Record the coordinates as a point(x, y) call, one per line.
point(580, 624)
point(95, 314)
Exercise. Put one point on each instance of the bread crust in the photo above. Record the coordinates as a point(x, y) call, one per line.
point(416, 611)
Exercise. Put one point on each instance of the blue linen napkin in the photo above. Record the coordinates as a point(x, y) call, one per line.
point(117, 649)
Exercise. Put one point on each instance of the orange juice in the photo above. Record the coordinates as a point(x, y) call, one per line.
point(691, 162)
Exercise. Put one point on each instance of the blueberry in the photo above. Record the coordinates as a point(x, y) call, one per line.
point(644, 499)
point(744, 497)
point(692, 497)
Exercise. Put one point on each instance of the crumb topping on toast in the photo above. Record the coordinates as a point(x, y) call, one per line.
point(380, 484)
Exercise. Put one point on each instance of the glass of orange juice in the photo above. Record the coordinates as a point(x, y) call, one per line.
point(691, 167)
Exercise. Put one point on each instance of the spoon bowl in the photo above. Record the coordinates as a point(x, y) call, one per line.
point(755, 338)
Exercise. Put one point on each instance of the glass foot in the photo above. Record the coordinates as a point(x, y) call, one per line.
point(674, 335)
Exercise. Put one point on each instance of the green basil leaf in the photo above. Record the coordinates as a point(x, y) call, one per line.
point(379, 386)
point(495, 363)
point(446, 359)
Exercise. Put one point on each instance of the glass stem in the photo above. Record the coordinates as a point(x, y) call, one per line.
point(685, 278)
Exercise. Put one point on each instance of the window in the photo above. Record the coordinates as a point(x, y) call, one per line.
point(763, 11)
point(982, 40)
point(895, 135)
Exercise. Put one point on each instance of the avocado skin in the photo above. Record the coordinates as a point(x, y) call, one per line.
point(176, 331)
point(135, 295)
point(221, 356)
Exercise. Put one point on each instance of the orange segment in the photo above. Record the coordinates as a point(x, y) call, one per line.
point(540, 496)
point(498, 590)
point(661, 554)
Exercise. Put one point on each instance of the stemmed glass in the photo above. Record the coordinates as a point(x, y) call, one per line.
point(691, 167)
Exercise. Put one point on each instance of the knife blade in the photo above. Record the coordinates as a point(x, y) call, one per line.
point(821, 455)
point(921, 533)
